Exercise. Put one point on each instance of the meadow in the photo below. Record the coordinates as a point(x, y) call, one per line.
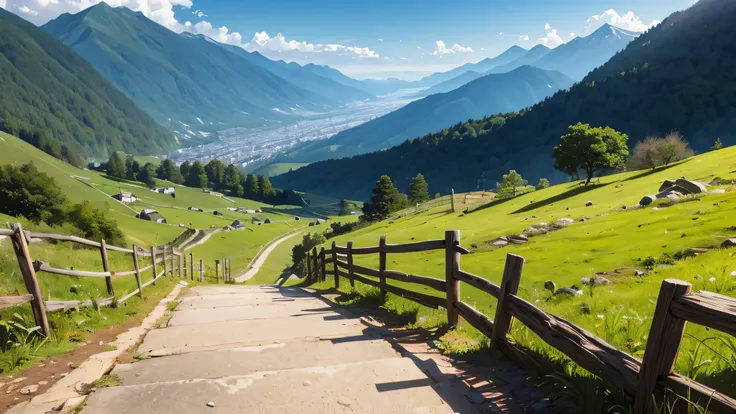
point(612, 233)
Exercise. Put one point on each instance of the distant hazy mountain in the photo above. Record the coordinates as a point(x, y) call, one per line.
point(678, 76)
point(183, 79)
point(511, 54)
point(489, 94)
point(579, 56)
point(54, 99)
point(528, 58)
point(371, 86)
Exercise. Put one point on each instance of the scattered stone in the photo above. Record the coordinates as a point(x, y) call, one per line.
point(673, 197)
point(693, 187)
point(29, 389)
point(568, 291)
point(11, 388)
point(718, 191)
point(503, 238)
point(101, 343)
point(42, 382)
point(73, 289)
point(585, 309)
point(698, 277)
point(585, 219)
point(17, 380)
point(550, 285)
point(729, 243)
point(521, 237)
point(666, 184)
point(565, 221)
point(733, 274)
point(500, 243)
point(344, 402)
point(307, 383)
point(647, 200)
point(63, 374)
point(210, 404)
point(640, 273)
point(595, 281)
point(623, 207)
point(588, 204)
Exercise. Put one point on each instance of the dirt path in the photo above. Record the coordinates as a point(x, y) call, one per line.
point(266, 349)
point(263, 255)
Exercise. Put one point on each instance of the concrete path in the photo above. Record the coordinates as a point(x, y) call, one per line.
point(251, 349)
point(262, 256)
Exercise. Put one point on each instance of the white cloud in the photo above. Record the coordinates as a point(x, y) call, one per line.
point(628, 21)
point(263, 42)
point(572, 35)
point(2, 3)
point(199, 13)
point(222, 34)
point(500, 33)
point(551, 39)
point(403, 58)
point(380, 40)
point(44, 3)
point(442, 49)
point(188, 24)
point(26, 10)
point(524, 38)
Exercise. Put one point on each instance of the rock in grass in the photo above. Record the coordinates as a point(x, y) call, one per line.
point(647, 200)
point(568, 291)
point(729, 243)
point(550, 285)
point(210, 404)
point(500, 243)
point(595, 281)
point(29, 389)
point(693, 187)
point(588, 204)
point(565, 221)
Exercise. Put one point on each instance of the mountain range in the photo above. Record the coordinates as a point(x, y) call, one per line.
point(53, 98)
point(667, 79)
point(190, 82)
point(495, 93)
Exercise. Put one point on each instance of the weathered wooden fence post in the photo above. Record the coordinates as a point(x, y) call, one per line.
point(324, 265)
point(165, 266)
point(173, 254)
point(315, 265)
point(509, 286)
point(182, 273)
point(452, 201)
point(201, 271)
point(191, 266)
point(153, 262)
point(106, 267)
point(217, 271)
point(663, 345)
point(309, 265)
point(334, 263)
point(350, 263)
point(452, 265)
point(137, 271)
point(23, 255)
point(382, 264)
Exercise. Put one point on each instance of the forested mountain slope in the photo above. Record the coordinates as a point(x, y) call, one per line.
point(496, 93)
point(181, 79)
point(53, 98)
point(670, 78)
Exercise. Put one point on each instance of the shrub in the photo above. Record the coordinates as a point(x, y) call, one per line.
point(654, 152)
point(30, 193)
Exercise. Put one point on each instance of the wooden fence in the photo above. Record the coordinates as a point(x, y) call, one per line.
point(647, 380)
point(172, 261)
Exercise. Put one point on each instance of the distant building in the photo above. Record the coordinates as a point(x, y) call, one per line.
point(125, 197)
point(214, 193)
point(164, 190)
point(267, 221)
point(194, 209)
point(237, 225)
point(217, 213)
point(151, 215)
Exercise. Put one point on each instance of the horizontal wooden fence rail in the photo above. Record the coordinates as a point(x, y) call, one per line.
point(654, 377)
point(168, 255)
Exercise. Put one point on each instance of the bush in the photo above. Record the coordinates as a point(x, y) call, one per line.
point(32, 194)
point(299, 252)
point(654, 152)
point(94, 225)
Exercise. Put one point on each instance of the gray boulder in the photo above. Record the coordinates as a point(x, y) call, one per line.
point(588, 204)
point(666, 184)
point(647, 200)
point(729, 243)
point(550, 285)
point(568, 291)
point(693, 187)
point(500, 243)
point(595, 281)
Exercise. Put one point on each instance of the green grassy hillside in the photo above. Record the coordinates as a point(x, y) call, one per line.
point(610, 238)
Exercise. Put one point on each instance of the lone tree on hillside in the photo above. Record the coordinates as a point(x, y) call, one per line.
point(673, 148)
point(543, 183)
point(116, 165)
point(717, 145)
point(590, 149)
point(654, 152)
point(509, 184)
point(418, 190)
point(385, 200)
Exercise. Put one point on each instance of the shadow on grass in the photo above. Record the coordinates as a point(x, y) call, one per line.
point(660, 169)
point(489, 205)
point(559, 197)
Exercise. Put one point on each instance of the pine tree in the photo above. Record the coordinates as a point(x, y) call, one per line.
point(197, 176)
point(383, 202)
point(418, 190)
point(116, 165)
point(509, 184)
point(266, 190)
point(250, 188)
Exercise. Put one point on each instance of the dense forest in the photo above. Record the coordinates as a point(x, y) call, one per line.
point(679, 76)
point(54, 99)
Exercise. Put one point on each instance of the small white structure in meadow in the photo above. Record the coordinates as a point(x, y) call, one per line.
point(125, 197)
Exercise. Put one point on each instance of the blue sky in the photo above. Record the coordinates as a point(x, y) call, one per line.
point(375, 37)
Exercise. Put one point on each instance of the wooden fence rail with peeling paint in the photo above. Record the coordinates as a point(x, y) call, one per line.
point(29, 268)
point(647, 381)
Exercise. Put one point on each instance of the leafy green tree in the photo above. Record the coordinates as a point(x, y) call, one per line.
point(266, 190)
point(437, 195)
point(717, 145)
point(148, 175)
point(116, 165)
point(250, 187)
point(510, 183)
point(197, 176)
point(184, 169)
point(27, 192)
point(169, 171)
point(418, 190)
point(385, 200)
point(590, 149)
point(95, 224)
point(231, 180)
point(543, 183)
point(132, 168)
point(299, 252)
point(673, 148)
point(215, 170)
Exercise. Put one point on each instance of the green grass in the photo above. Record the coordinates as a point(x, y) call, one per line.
point(613, 238)
point(278, 168)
